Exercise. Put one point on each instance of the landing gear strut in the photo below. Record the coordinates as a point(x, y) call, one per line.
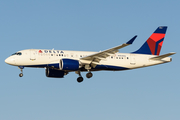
point(88, 68)
point(80, 78)
point(21, 74)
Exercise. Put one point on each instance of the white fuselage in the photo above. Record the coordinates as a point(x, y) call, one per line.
point(117, 61)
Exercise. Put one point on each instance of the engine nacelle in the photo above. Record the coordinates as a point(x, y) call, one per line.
point(69, 64)
point(54, 73)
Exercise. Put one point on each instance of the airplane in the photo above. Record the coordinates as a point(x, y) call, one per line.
point(58, 63)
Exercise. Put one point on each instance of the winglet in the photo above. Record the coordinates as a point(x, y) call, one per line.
point(132, 40)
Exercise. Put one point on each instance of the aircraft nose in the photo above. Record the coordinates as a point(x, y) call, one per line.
point(10, 60)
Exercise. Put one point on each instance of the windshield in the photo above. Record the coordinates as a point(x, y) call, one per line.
point(18, 53)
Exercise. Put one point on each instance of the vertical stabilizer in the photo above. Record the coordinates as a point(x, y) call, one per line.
point(154, 43)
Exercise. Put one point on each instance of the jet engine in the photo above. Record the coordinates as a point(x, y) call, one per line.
point(65, 64)
point(69, 64)
point(54, 73)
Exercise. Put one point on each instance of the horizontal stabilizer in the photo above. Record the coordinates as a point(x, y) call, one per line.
point(162, 56)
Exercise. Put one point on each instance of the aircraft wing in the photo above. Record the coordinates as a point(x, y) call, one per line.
point(97, 57)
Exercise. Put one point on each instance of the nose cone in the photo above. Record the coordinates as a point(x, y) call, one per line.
point(10, 61)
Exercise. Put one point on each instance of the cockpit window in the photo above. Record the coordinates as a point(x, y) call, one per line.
point(18, 53)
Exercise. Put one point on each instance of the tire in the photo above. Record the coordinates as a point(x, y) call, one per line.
point(89, 75)
point(20, 75)
point(79, 79)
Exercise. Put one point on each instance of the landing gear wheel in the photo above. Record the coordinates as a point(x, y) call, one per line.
point(89, 75)
point(20, 75)
point(79, 79)
point(21, 67)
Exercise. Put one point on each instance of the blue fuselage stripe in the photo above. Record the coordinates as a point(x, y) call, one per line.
point(98, 67)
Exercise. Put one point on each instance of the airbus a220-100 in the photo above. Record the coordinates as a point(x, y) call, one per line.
point(58, 63)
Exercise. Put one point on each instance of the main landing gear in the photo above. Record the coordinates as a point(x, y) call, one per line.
point(80, 78)
point(21, 74)
point(89, 75)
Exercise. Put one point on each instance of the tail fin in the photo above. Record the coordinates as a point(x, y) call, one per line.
point(154, 43)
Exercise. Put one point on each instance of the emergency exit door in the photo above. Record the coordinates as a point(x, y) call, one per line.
point(33, 55)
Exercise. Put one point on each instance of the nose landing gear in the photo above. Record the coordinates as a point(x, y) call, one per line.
point(21, 67)
point(21, 74)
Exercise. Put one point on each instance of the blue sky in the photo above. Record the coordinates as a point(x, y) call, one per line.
point(150, 93)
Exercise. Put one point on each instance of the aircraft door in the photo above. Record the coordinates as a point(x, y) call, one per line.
point(132, 59)
point(32, 55)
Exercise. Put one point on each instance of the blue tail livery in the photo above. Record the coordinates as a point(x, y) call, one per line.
point(154, 43)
